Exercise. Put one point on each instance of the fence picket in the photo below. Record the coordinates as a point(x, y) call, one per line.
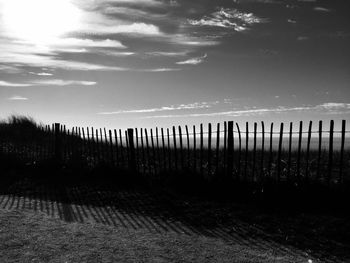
point(175, 150)
point(279, 154)
point(330, 152)
point(307, 172)
point(239, 151)
point(319, 149)
point(341, 161)
point(270, 151)
point(299, 149)
point(262, 149)
point(188, 148)
point(246, 151)
point(209, 149)
point(217, 148)
point(254, 151)
point(290, 151)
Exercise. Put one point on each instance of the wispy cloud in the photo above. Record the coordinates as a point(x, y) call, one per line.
point(192, 61)
point(228, 18)
point(322, 9)
point(17, 98)
point(327, 108)
point(61, 82)
point(191, 106)
point(41, 73)
point(13, 84)
point(49, 82)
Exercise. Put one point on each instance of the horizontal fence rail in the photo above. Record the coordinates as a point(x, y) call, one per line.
point(284, 152)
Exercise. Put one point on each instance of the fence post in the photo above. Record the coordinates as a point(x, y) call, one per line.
point(58, 143)
point(229, 148)
point(132, 161)
point(330, 152)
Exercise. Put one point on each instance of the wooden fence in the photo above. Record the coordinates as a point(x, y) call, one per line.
point(226, 152)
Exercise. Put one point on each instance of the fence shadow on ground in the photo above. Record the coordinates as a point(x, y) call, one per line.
point(123, 203)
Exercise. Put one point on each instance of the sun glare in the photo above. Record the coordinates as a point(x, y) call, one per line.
point(39, 20)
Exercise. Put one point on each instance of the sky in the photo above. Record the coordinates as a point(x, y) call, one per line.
point(148, 63)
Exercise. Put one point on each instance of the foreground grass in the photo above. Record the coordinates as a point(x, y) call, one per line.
point(34, 237)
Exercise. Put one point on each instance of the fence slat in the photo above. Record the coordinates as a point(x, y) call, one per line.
point(194, 149)
point(341, 161)
point(137, 150)
point(217, 148)
point(319, 149)
point(188, 148)
point(98, 152)
point(201, 150)
point(175, 150)
point(132, 161)
point(116, 147)
point(121, 147)
point(246, 151)
point(239, 151)
point(163, 149)
point(181, 149)
point(307, 172)
point(290, 151)
point(153, 153)
point(148, 154)
point(279, 154)
point(225, 148)
point(262, 150)
point(330, 152)
point(169, 148)
point(299, 149)
point(158, 150)
point(254, 151)
point(230, 149)
point(111, 147)
point(143, 153)
point(270, 151)
point(209, 149)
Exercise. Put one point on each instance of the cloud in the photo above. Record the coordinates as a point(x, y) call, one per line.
point(61, 82)
point(326, 108)
point(192, 61)
point(157, 70)
point(41, 73)
point(191, 106)
point(15, 97)
point(13, 84)
point(228, 18)
point(167, 54)
point(322, 9)
point(134, 28)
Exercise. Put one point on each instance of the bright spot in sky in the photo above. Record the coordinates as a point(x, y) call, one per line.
point(37, 21)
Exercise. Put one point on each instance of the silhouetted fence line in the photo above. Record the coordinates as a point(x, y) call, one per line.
point(227, 152)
